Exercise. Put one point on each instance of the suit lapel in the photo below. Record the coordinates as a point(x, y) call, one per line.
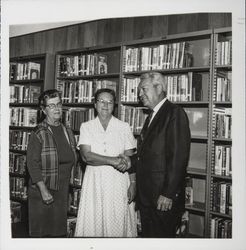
point(161, 114)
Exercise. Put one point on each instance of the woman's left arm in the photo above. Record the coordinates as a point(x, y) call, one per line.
point(131, 192)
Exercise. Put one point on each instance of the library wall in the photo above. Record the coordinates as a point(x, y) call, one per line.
point(115, 30)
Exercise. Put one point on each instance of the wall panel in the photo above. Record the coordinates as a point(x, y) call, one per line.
point(105, 31)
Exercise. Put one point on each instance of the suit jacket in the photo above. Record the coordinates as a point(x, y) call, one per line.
point(162, 157)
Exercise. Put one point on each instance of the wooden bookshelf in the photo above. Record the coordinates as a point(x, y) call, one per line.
point(21, 83)
point(221, 144)
point(201, 110)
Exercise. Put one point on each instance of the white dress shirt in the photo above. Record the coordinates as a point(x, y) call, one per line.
point(156, 108)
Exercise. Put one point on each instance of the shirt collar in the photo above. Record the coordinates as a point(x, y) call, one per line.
point(158, 106)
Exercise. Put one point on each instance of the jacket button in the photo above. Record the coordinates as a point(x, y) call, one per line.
point(138, 158)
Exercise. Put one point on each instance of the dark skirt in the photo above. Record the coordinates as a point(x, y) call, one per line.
point(49, 220)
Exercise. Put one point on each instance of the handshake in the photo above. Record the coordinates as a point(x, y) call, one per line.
point(122, 163)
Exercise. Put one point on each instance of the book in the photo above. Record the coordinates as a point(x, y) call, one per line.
point(102, 64)
point(33, 70)
point(34, 93)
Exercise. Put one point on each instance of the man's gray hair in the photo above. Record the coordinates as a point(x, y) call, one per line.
point(155, 78)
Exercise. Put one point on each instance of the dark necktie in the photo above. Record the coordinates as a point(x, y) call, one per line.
point(146, 124)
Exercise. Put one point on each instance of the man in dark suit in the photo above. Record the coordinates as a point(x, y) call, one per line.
point(161, 160)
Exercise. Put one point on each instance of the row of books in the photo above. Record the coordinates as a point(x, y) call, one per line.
point(82, 90)
point(24, 93)
point(23, 116)
point(222, 197)
point(223, 88)
point(15, 209)
point(73, 200)
point(135, 116)
point(129, 91)
point(76, 175)
point(220, 228)
point(224, 53)
point(223, 120)
point(185, 87)
point(164, 56)
point(18, 140)
point(222, 164)
point(18, 188)
point(17, 163)
point(81, 65)
point(73, 117)
point(24, 71)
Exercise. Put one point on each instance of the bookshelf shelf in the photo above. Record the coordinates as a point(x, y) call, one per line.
point(227, 104)
point(198, 172)
point(21, 104)
point(224, 67)
point(20, 128)
point(194, 103)
point(199, 138)
point(226, 140)
point(29, 81)
point(78, 105)
point(169, 71)
point(196, 207)
point(222, 177)
point(17, 151)
point(91, 77)
point(221, 215)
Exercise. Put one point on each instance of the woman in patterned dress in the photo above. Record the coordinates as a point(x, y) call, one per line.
point(106, 208)
point(51, 153)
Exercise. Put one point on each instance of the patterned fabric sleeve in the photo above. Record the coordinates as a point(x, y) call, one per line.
point(130, 141)
point(34, 159)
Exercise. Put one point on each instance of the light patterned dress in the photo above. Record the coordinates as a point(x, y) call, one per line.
point(103, 209)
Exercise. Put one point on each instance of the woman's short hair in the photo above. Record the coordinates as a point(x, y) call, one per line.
point(104, 90)
point(46, 95)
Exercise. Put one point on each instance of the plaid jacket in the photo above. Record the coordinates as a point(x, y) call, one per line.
point(49, 156)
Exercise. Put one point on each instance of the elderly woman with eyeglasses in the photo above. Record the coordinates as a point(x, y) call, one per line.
point(51, 153)
point(106, 208)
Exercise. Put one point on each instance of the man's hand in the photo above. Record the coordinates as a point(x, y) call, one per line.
point(123, 163)
point(131, 192)
point(126, 159)
point(164, 203)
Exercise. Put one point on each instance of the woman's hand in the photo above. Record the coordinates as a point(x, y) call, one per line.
point(131, 192)
point(120, 164)
point(45, 193)
point(123, 163)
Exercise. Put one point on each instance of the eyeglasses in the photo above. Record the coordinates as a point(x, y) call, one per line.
point(53, 105)
point(109, 102)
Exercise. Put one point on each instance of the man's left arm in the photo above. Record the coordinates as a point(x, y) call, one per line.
point(178, 149)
